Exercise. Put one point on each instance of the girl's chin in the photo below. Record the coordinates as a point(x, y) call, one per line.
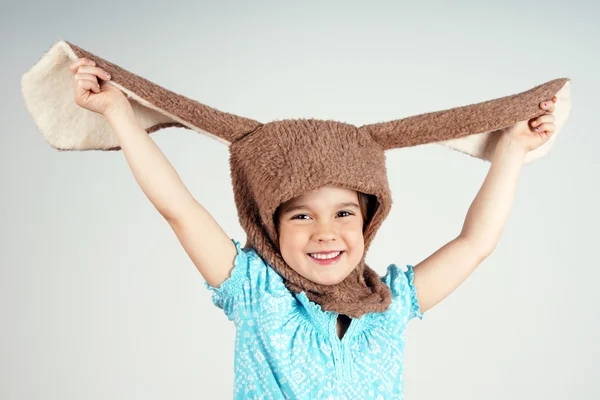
point(329, 282)
point(328, 279)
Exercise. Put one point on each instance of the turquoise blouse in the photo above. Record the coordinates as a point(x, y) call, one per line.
point(286, 347)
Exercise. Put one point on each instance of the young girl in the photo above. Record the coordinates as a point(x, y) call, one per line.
point(289, 342)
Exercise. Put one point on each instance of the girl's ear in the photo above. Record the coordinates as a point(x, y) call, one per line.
point(468, 128)
point(48, 92)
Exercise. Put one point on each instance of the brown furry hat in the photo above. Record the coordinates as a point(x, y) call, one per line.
point(276, 161)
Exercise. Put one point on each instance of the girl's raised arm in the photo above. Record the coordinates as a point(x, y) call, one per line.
point(209, 247)
point(441, 273)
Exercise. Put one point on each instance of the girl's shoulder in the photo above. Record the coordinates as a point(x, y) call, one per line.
point(251, 281)
point(404, 292)
point(398, 278)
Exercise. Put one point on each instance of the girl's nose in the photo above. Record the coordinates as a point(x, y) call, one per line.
point(325, 233)
point(327, 238)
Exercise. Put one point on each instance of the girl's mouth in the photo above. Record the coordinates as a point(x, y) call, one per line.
point(326, 261)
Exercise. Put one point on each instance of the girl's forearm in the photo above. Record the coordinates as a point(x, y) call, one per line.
point(490, 209)
point(153, 172)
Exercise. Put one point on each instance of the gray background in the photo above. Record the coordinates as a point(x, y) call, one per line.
point(97, 297)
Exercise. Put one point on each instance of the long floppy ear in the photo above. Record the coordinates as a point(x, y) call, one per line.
point(469, 129)
point(48, 92)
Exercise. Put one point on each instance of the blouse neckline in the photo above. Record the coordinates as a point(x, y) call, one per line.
point(326, 321)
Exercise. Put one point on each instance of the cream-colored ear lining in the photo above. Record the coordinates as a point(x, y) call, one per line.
point(47, 89)
point(475, 144)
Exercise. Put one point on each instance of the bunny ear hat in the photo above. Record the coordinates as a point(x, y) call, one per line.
point(274, 162)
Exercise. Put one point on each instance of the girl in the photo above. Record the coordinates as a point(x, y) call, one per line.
point(342, 337)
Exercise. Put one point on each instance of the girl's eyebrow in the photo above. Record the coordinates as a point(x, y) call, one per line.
point(350, 204)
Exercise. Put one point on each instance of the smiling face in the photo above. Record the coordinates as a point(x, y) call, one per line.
point(324, 220)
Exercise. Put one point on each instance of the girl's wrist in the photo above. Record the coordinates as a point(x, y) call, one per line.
point(503, 146)
point(507, 144)
point(118, 112)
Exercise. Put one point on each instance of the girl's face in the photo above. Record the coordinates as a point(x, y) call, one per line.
point(324, 220)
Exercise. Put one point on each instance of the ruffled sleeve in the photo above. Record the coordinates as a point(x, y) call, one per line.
point(404, 291)
point(224, 296)
point(415, 308)
point(249, 281)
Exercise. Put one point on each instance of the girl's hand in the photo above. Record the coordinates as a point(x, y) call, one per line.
point(531, 134)
point(90, 95)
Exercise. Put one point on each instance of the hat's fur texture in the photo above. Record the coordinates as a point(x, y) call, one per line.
point(274, 162)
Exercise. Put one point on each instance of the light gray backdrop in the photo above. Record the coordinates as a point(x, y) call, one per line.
point(98, 300)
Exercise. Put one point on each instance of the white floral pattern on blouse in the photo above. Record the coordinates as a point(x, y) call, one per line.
point(286, 347)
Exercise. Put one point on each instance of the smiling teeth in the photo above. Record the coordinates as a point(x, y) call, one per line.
point(325, 257)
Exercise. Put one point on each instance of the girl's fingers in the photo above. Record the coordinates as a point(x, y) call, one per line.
point(83, 85)
point(81, 80)
point(547, 105)
point(542, 119)
point(547, 127)
point(97, 71)
point(89, 77)
point(79, 62)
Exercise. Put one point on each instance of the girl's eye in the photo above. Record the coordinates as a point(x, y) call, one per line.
point(305, 215)
point(299, 215)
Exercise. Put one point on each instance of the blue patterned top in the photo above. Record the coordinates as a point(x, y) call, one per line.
point(286, 347)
